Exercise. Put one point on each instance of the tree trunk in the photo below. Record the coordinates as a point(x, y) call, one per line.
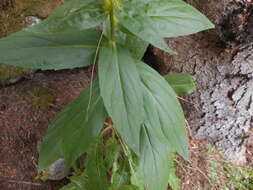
point(222, 62)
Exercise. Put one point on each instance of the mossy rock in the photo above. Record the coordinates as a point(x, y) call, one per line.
point(12, 16)
point(10, 74)
point(41, 96)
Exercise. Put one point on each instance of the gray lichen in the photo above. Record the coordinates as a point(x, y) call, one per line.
point(228, 107)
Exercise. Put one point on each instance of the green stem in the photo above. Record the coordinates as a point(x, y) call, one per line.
point(112, 24)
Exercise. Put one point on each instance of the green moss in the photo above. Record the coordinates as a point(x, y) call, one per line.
point(9, 72)
point(12, 18)
point(41, 97)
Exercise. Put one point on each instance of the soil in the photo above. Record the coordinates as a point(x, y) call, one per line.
point(24, 123)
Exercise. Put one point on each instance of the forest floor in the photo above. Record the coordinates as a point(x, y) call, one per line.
point(27, 108)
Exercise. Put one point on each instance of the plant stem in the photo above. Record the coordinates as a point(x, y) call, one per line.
point(112, 21)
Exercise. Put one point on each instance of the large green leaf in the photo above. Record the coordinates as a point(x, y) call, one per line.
point(75, 14)
point(154, 20)
point(153, 167)
point(176, 18)
point(164, 115)
point(143, 27)
point(49, 51)
point(74, 128)
point(134, 44)
point(181, 83)
point(120, 89)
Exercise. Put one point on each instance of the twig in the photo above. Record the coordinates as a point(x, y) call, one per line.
point(184, 100)
point(189, 128)
point(22, 182)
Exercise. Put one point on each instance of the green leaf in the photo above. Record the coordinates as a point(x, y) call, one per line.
point(74, 15)
point(143, 27)
point(120, 89)
point(125, 187)
point(112, 152)
point(176, 18)
point(121, 174)
point(182, 84)
point(49, 51)
point(136, 46)
point(95, 168)
point(154, 20)
point(70, 186)
point(174, 181)
point(77, 183)
point(74, 129)
point(153, 166)
point(164, 115)
point(99, 160)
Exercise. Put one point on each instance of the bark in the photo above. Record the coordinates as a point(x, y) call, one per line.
point(222, 62)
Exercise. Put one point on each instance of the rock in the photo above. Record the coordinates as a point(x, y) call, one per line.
point(227, 105)
point(58, 170)
point(11, 75)
point(32, 20)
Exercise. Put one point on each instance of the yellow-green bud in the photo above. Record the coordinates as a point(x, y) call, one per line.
point(110, 5)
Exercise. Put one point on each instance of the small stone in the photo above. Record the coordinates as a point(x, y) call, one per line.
point(10, 75)
point(32, 20)
point(58, 170)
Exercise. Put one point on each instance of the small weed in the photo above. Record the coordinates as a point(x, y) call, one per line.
point(226, 175)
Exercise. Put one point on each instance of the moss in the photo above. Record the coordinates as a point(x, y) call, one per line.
point(41, 97)
point(13, 16)
point(9, 72)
